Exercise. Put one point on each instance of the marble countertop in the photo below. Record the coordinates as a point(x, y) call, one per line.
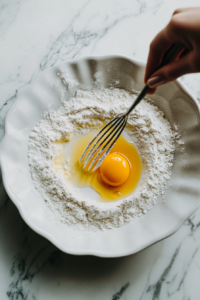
point(35, 35)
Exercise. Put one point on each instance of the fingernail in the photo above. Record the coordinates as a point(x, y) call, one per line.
point(155, 81)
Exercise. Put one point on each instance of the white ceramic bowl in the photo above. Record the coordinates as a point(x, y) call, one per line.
point(182, 195)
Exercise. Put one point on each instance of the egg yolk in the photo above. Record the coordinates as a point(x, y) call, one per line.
point(115, 169)
point(116, 178)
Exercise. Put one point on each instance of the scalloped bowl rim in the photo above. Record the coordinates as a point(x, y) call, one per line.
point(51, 238)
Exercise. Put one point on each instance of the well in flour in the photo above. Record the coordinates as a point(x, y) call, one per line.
point(148, 127)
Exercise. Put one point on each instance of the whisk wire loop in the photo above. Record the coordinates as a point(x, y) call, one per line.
point(120, 125)
point(89, 155)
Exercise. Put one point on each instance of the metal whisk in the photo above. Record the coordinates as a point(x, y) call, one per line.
point(102, 143)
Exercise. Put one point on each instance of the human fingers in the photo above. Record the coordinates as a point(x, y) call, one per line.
point(172, 71)
point(172, 33)
point(157, 49)
point(182, 9)
point(151, 91)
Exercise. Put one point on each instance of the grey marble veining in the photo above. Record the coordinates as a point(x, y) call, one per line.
point(35, 35)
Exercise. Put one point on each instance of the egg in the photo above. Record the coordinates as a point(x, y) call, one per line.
point(116, 178)
point(115, 169)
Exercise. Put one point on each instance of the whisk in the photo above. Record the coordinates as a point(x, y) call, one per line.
point(100, 146)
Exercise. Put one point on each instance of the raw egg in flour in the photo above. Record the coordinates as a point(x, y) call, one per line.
point(117, 176)
point(115, 169)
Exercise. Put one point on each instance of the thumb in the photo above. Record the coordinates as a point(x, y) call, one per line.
point(172, 71)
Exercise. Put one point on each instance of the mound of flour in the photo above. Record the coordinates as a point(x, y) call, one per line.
point(148, 128)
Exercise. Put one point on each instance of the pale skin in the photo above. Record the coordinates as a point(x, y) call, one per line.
point(184, 28)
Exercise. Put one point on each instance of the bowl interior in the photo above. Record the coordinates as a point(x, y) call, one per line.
point(182, 193)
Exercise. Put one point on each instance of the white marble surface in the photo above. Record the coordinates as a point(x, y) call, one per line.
point(35, 35)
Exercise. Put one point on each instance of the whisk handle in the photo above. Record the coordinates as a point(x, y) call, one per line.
point(142, 94)
point(168, 56)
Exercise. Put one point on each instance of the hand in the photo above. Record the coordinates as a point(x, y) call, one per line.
point(184, 28)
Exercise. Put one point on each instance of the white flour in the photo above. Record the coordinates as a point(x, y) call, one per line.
point(147, 126)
